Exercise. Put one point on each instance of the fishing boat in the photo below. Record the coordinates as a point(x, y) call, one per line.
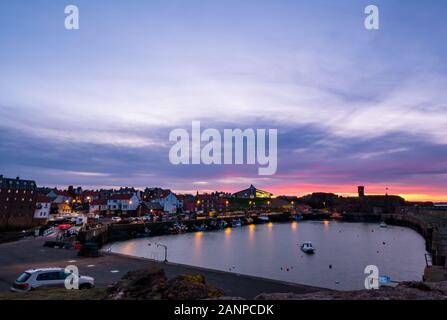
point(383, 224)
point(307, 247)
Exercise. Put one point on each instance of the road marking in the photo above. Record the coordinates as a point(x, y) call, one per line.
point(114, 271)
point(72, 261)
point(90, 266)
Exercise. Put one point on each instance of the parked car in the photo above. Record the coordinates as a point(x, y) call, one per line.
point(116, 219)
point(47, 277)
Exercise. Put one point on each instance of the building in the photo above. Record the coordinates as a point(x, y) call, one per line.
point(90, 196)
point(361, 191)
point(123, 203)
point(169, 202)
point(151, 208)
point(252, 193)
point(213, 202)
point(98, 206)
point(43, 209)
point(62, 204)
point(17, 202)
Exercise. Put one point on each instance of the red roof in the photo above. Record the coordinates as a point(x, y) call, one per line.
point(63, 193)
point(88, 193)
point(43, 199)
point(100, 202)
point(119, 196)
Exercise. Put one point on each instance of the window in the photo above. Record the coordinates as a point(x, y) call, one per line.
point(48, 276)
point(23, 277)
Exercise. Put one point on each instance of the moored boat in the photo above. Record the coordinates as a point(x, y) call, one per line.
point(236, 223)
point(307, 247)
point(263, 218)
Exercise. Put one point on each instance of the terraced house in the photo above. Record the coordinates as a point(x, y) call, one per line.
point(17, 202)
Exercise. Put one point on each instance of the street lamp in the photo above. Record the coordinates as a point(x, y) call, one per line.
point(163, 246)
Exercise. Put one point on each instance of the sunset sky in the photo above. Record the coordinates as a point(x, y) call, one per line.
point(94, 107)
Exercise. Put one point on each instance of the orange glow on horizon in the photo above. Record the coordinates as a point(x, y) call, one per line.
point(408, 192)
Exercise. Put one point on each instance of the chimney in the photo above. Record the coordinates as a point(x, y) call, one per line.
point(17, 178)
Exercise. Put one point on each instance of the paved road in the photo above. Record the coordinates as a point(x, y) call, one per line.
point(15, 257)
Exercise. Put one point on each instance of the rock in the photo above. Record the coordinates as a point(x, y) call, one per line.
point(152, 284)
point(142, 284)
point(189, 287)
point(404, 291)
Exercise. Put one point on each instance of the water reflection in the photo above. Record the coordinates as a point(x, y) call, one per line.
point(294, 225)
point(262, 250)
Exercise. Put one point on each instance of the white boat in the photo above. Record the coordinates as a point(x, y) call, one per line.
point(383, 224)
point(307, 247)
point(263, 218)
point(236, 223)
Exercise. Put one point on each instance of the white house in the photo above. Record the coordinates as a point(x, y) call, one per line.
point(123, 203)
point(43, 208)
point(169, 202)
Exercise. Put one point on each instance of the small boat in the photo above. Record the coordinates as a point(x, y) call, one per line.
point(383, 224)
point(201, 227)
point(336, 216)
point(307, 247)
point(296, 217)
point(236, 223)
point(178, 228)
point(263, 218)
point(248, 220)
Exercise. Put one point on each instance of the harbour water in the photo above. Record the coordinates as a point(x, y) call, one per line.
point(271, 250)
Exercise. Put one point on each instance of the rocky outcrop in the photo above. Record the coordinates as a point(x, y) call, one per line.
point(404, 291)
point(152, 284)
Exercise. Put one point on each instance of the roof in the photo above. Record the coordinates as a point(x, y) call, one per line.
point(17, 183)
point(44, 269)
point(119, 196)
point(90, 193)
point(42, 199)
point(63, 193)
point(99, 202)
point(252, 191)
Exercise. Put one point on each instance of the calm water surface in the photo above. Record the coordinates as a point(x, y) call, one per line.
point(271, 251)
